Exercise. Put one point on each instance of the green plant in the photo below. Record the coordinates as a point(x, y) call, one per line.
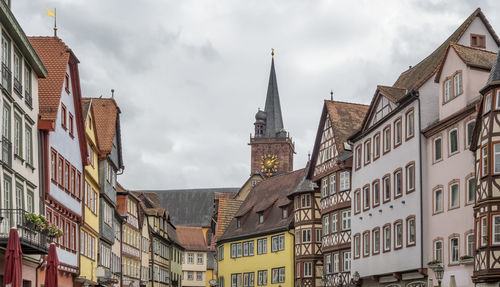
point(465, 257)
point(433, 262)
point(54, 231)
point(35, 221)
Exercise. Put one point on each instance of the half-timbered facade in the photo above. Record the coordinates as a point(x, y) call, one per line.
point(131, 237)
point(486, 146)
point(307, 223)
point(450, 179)
point(65, 149)
point(331, 163)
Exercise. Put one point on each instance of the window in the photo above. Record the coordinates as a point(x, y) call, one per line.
point(63, 116)
point(496, 158)
point(284, 212)
point(356, 246)
point(469, 244)
point(438, 152)
point(306, 200)
point(27, 83)
point(326, 224)
point(307, 269)
point(71, 129)
point(333, 184)
point(376, 146)
point(66, 175)
point(345, 180)
point(190, 258)
point(358, 157)
point(17, 71)
point(471, 195)
point(199, 259)
point(484, 231)
point(469, 128)
point(346, 220)
point(410, 177)
point(477, 41)
point(328, 264)
point(366, 197)
point(397, 184)
point(190, 276)
point(198, 276)
point(53, 165)
point(454, 250)
point(277, 243)
point(6, 51)
point(324, 187)
point(238, 222)
point(484, 161)
point(453, 140)
point(318, 235)
point(262, 246)
point(29, 145)
point(336, 263)
point(496, 229)
point(306, 235)
point(18, 135)
point(376, 193)
point(262, 277)
point(366, 243)
point(278, 275)
point(410, 231)
point(6, 121)
point(447, 90)
point(334, 222)
point(357, 201)
point(261, 218)
point(376, 241)
point(397, 132)
point(457, 84)
point(387, 139)
point(454, 196)
point(438, 251)
point(368, 151)
point(60, 176)
point(387, 188)
point(30, 200)
point(398, 235)
point(346, 261)
point(487, 103)
point(438, 200)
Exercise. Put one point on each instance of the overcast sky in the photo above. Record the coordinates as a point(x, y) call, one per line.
point(189, 76)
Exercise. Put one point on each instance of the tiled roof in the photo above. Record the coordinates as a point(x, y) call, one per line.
point(268, 192)
point(191, 207)
point(227, 210)
point(494, 77)
point(346, 118)
point(391, 93)
point(414, 77)
point(85, 107)
point(472, 57)
point(105, 115)
point(191, 238)
point(55, 57)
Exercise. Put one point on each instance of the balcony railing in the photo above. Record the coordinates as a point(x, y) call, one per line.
point(32, 241)
point(6, 79)
point(28, 99)
point(18, 87)
point(6, 151)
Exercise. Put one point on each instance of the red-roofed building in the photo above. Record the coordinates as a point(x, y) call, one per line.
point(64, 149)
point(195, 257)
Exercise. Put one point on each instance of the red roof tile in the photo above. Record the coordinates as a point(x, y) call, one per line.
point(191, 238)
point(105, 113)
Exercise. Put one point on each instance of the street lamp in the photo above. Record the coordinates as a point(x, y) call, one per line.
point(438, 271)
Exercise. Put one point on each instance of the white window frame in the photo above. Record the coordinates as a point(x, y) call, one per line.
point(484, 161)
point(410, 177)
point(334, 223)
point(346, 263)
point(324, 187)
point(366, 203)
point(398, 232)
point(411, 229)
point(435, 149)
point(328, 264)
point(376, 193)
point(495, 229)
point(376, 240)
point(398, 131)
point(484, 231)
point(438, 252)
point(336, 262)
point(457, 84)
point(498, 100)
point(454, 249)
point(451, 195)
point(450, 141)
point(496, 152)
point(366, 243)
point(306, 235)
point(376, 146)
point(410, 124)
point(346, 220)
point(487, 103)
point(357, 246)
point(326, 224)
point(307, 269)
point(345, 181)
point(368, 152)
point(333, 184)
point(468, 136)
point(471, 191)
point(305, 200)
point(447, 90)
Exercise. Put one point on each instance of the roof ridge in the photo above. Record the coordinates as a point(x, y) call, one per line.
point(344, 102)
point(390, 87)
point(472, 48)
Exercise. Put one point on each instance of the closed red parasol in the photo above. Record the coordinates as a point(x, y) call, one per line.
point(13, 261)
point(52, 264)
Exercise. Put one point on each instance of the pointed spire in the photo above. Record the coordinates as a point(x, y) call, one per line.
point(274, 121)
point(495, 71)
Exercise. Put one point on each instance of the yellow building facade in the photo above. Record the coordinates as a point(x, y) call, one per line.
point(89, 230)
point(259, 265)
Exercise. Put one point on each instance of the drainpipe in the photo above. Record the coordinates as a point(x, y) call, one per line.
point(421, 181)
point(293, 255)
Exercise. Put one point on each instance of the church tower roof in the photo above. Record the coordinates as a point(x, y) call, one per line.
point(274, 119)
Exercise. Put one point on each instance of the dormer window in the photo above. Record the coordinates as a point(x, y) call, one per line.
point(284, 213)
point(261, 218)
point(238, 222)
point(477, 41)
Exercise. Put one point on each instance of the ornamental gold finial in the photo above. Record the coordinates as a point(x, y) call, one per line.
point(272, 52)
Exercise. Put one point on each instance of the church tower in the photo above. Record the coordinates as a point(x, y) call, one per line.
point(272, 147)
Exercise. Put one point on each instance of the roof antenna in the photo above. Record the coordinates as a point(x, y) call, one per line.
point(331, 95)
point(112, 93)
point(308, 156)
point(272, 52)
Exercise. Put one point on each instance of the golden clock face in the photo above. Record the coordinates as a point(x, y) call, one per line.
point(269, 163)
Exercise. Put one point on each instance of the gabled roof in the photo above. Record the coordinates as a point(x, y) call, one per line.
point(190, 207)
point(271, 193)
point(346, 118)
point(55, 56)
point(191, 238)
point(472, 57)
point(391, 93)
point(107, 121)
point(416, 76)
